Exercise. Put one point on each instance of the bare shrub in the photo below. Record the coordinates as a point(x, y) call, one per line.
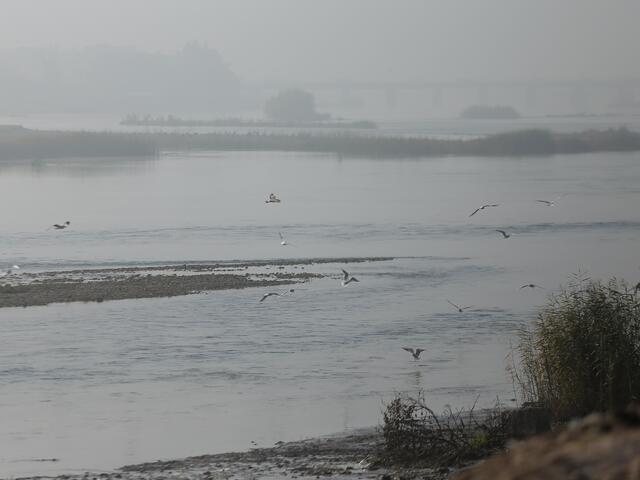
point(413, 432)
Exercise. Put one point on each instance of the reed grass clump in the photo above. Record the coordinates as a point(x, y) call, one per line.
point(583, 352)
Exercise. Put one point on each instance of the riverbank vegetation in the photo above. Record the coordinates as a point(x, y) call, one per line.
point(581, 355)
point(17, 143)
point(21, 143)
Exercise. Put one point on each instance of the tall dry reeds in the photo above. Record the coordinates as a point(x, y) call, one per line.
point(583, 352)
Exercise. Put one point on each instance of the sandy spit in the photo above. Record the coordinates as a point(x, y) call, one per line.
point(98, 285)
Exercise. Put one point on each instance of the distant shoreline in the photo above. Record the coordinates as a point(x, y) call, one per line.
point(18, 143)
point(171, 121)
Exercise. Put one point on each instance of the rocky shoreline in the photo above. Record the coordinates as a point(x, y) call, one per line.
point(98, 285)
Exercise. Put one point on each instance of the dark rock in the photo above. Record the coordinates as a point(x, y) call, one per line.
point(599, 447)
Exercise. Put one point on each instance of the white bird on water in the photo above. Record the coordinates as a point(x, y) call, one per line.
point(458, 307)
point(10, 270)
point(488, 205)
point(272, 199)
point(347, 278)
point(415, 353)
point(504, 234)
point(61, 226)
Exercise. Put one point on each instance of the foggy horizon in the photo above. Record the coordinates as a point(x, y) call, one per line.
point(302, 41)
point(364, 239)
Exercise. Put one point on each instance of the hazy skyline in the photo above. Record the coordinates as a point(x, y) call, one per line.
point(298, 40)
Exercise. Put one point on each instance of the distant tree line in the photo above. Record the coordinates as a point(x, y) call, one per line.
point(16, 143)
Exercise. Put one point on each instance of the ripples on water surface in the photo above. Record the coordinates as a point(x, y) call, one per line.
point(101, 385)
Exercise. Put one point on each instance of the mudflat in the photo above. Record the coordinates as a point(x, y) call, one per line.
point(350, 455)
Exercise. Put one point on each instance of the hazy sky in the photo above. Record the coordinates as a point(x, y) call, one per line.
point(353, 39)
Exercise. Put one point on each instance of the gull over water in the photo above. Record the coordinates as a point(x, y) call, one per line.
point(414, 352)
point(458, 307)
point(276, 294)
point(347, 278)
point(283, 241)
point(488, 205)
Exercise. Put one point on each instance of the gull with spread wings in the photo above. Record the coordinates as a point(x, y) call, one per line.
point(488, 205)
point(414, 352)
point(458, 307)
point(347, 278)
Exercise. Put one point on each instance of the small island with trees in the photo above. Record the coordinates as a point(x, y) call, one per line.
point(292, 108)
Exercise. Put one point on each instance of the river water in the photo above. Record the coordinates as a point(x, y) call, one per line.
point(98, 386)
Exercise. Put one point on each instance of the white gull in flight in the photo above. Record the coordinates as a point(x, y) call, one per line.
point(483, 207)
point(458, 307)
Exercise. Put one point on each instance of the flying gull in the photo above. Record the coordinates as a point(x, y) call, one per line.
point(283, 241)
point(483, 207)
point(267, 295)
point(530, 285)
point(552, 203)
point(458, 307)
point(347, 278)
point(277, 294)
point(416, 353)
point(504, 234)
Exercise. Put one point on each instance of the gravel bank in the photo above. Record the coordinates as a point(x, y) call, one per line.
point(98, 285)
